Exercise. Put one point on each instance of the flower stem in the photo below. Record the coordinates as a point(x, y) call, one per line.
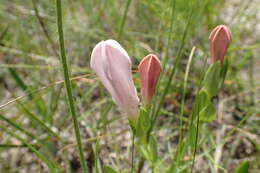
point(68, 84)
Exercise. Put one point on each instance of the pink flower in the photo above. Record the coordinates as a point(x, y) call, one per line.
point(149, 69)
point(113, 66)
point(220, 38)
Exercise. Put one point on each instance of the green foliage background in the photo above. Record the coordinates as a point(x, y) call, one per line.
point(169, 28)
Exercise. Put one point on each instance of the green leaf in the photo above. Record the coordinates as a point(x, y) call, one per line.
point(243, 168)
point(201, 102)
point(223, 73)
point(192, 134)
point(212, 79)
point(203, 99)
point(208, 113)
point(109, 169)
point(149, 151)
point(143, 124)
point(142, 148)
point(153, 149)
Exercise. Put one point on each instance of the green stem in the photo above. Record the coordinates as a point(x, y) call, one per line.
point(179, 146)
point(196, 142)
point(124, 19)
point(133, 152)
point(165, 59)
point(172, 72)
point(68, 84)
point(141, 165)
point(251, 78)
point(198, 120)
point(184, 90)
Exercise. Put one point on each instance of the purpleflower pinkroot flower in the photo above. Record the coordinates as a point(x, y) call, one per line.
point(113, 66)
point(220, 38)
point(149, 69)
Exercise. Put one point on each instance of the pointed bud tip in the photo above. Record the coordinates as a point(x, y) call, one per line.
point(151, 58)
point(149, 69)
point(220, 39)
point(221, 29)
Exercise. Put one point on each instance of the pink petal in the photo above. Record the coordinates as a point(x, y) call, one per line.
point(149, 69)
point(113, 66)
point(220, 39)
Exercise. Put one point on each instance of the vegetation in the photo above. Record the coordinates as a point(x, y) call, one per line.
point(39, 111)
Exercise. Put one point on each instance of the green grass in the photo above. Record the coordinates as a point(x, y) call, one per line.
point(35, 118)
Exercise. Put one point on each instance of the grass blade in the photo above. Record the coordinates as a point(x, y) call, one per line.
point(41, 107)
point(51, 165)
point(173, 70)
point(68, 84)
point(16, 126)
point(124, 19)
point(181, 145)
point(44, 29)
point(3, 33)
point(165, 59)
point(38, 121)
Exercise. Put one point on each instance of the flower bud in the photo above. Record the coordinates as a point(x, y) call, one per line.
point(220, 38)
point(113, 66)
point(149, 69)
